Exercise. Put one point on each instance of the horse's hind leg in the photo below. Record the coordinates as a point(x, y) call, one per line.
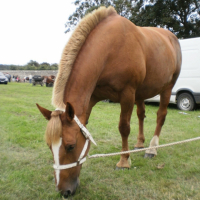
point(141, 116)
point(161, 114)
point(124, 128)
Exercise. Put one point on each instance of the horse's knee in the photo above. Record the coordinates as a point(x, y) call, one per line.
point(124, 128)
point(141, 114)
point(161, 115)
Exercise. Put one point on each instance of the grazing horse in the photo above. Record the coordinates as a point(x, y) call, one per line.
point(107, 57)
point(49, 80)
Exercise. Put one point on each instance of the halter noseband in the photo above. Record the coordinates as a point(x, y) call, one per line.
point(88, 137)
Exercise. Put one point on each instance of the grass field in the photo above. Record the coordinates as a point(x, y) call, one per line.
point(26, 162)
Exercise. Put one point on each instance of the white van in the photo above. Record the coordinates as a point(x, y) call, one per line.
point(186, 91)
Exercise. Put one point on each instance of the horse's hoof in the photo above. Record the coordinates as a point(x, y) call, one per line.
point(136, 148)
point(121, 168)
point(149, 155)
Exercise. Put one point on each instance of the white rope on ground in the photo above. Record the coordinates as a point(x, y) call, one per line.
point(143, 149)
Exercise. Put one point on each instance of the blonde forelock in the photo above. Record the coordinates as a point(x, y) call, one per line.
point(54, 129)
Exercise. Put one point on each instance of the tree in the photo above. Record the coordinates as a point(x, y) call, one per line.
point(187, 15)
point(84, 7)
point(12, 67)
point(54, 66)
point(44, 66)
point(179, 16)
point(33, 64)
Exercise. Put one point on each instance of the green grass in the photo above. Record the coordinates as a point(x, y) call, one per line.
point(26, 162)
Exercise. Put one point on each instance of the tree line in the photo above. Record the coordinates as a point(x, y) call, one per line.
point(31, 65)
point(179, 16)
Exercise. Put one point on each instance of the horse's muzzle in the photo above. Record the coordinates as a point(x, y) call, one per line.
point(69, 191)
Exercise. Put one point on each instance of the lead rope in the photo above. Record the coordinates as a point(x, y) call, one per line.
point(89, 137)
point(143, 149)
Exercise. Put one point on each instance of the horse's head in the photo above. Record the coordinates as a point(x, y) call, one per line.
point(69, 144)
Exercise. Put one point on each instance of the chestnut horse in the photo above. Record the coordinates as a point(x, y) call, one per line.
point(49, 80)
point(107, 57)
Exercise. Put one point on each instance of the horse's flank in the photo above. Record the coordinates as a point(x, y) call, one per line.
point(71, 50)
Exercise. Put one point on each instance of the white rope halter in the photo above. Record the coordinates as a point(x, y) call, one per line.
point(81, 158)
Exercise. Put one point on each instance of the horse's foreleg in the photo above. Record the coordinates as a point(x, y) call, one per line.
point(92, 103)
point(141, 116)
point(124, 128)
point(161, 114)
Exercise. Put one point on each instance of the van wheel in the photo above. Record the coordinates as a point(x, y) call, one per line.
point(186, 102)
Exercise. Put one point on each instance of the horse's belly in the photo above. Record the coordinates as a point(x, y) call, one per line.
point(106, 92)
point(146, 91)
point(142, 94)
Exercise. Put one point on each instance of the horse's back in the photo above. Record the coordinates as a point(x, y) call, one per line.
point(148, 58)
point(141, 58)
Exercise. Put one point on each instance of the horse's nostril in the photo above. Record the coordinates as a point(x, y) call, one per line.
point(67, 193)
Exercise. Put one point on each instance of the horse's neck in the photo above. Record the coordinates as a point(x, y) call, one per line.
point(80, 87)
point(85, 73)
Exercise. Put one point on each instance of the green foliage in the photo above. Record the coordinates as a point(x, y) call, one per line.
point(31, 65)
point(180, 17)
point(9, 67)
point(84, 7)
point(26, 162)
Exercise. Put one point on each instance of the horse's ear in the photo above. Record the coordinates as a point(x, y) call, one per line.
point(46, 113)
point(69, 112)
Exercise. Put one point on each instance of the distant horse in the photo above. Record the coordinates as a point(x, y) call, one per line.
point(49, 80)
point(107, 57)
point(26, 78)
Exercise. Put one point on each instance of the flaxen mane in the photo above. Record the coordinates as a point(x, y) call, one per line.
point(72, 49)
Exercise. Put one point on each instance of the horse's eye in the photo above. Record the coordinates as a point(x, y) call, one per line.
point(70, 147)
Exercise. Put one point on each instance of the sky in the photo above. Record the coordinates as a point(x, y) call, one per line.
point(33, 30)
